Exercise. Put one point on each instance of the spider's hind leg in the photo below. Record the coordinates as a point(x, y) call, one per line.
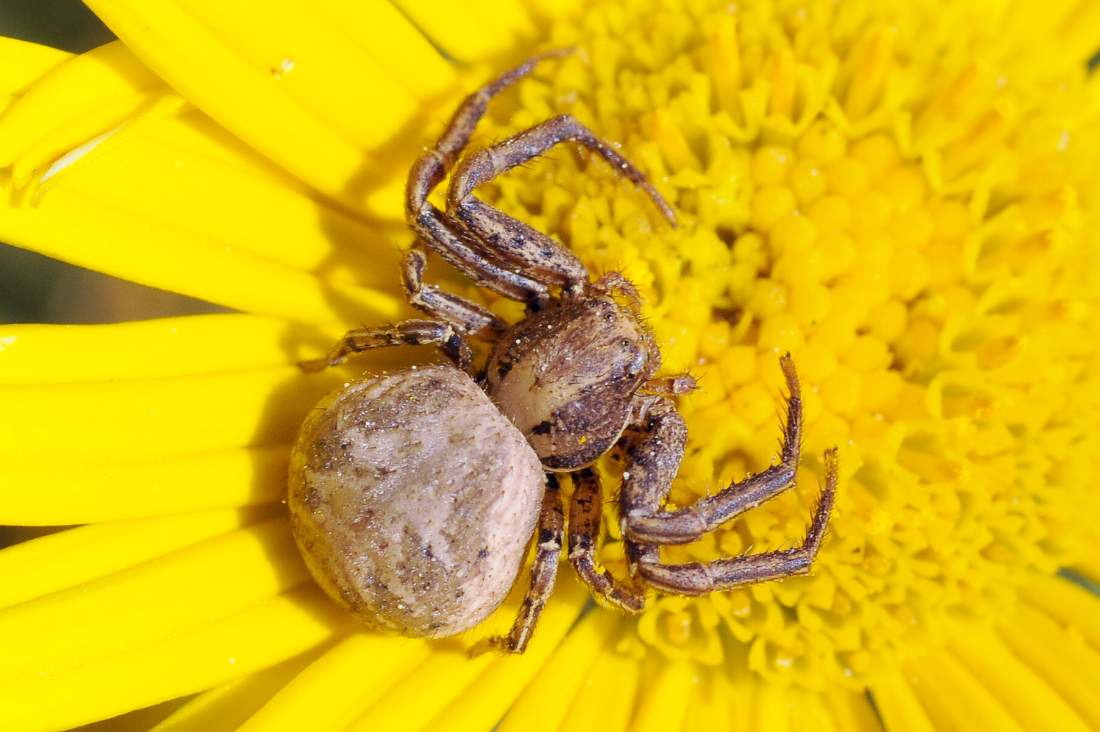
point(544, 571)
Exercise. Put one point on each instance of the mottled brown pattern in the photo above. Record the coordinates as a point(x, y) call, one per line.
point(566, 376)
point(413, 500)
point(413, 495)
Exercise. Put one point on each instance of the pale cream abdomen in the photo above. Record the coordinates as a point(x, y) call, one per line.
point(413, 500)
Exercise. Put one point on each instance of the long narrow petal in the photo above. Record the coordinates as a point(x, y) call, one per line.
point(1023, 693)
point(152, 349)
point(664, 700)
point(64, 489)
point(541, 703)
point(227, 707)
point(334, 690)
point(212, 654)
point(68, 558)
point(283, 90)
point(135, 607)
point(482, 703)
point(900, 709)
point(606, 696)
point(160, 417)
point(23, 63)
point(99, 232)
point(1069, 603)
point(1066, 662)
point(469, 31)
point(954, 698)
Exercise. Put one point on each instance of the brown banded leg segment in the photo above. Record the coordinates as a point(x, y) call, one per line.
point(535, 254)
point(409, 333)
point(446, 236)
point(644, 523)
point(471, 318)
point(698, 578)
point(585, 512)
point(654, 444)
point(544, 570)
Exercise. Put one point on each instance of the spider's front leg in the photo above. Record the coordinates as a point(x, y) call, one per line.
point(544, 571)
point(408, 333)
point(512, 243)
point(656, 447)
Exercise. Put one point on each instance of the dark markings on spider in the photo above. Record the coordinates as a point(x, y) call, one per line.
point(415, 495)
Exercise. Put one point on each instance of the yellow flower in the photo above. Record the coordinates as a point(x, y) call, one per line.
point(900, 193)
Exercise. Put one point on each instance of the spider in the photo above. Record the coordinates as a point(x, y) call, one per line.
point(414, 495)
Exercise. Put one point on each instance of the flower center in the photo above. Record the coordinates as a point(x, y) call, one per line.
point(895, 198)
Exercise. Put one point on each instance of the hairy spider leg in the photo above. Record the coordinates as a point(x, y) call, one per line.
point(408, 333)
point(655, 446)
point(585, 514)
point(471, 318)
point(512, 242)
point(644, 521)
point(699, 578)
point(544, 571)
point(446, 236)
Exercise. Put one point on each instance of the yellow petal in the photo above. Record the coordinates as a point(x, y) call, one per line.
point(57, 105)
point(211, 654)
point(606, 696)
point(100, 232)
point(418, 697)
point(23, 63)
point(226, 707)
point(152, 349)
point(900, 709)
point(63, 489)
point(335, 689)
point(1069, 603)
point(541, 704)
point(770, 709)
point(954, 698)
point(160, 417)
point(482, 703)
point(135, 607)
point(852, 711)
point(395, 44)
point(68, 558)
point(1019, 689)
point(665, 704)
point(469, 31)
point(284, 90)
point(1067, 663)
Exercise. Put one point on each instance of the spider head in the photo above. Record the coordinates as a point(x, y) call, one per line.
point(566, 376)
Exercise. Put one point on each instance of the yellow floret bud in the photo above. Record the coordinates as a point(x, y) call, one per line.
point(770, 164)
point(770, 205)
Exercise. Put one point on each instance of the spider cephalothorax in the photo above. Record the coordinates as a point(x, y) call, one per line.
point(414, 494)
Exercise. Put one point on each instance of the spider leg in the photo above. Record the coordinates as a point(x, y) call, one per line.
point(471, 318)
point(409, 333)
point(698, 578)
point(585, 512)
point(643, 521)
point(533, 253)
point(444, 235)
point(544, 571)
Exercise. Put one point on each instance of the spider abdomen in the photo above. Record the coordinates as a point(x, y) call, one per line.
point(566, 377)
point(413, 500)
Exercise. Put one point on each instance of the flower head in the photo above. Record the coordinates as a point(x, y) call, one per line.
point(898, 194)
